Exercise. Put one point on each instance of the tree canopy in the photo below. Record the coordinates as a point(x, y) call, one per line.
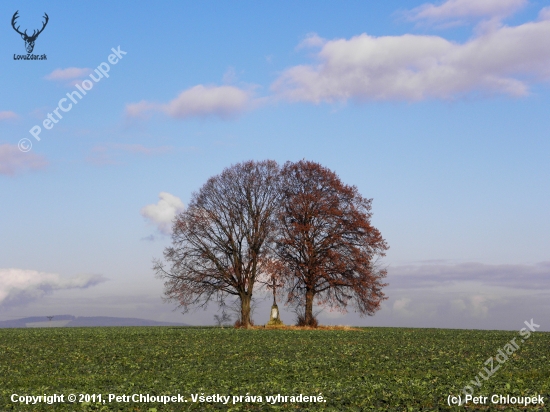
point(256, 222)
point(326, 245)
point(220, 242)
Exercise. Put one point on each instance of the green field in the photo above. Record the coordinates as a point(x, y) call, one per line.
point(394, 369)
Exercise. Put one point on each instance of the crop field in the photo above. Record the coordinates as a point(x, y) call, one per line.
point(386, 369)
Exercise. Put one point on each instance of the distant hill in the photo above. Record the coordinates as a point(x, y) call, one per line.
point(73, 321)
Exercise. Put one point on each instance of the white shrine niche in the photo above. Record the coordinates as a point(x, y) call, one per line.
point(274, 319)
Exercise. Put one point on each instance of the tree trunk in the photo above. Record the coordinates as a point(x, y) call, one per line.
point(309, 320)
point(245, 310)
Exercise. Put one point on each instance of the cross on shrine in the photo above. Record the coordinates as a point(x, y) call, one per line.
point(274, 318)
point(273, 286)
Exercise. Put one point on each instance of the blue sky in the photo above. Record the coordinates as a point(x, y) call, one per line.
point(438, 111)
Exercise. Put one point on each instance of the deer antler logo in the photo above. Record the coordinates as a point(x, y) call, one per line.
point(29, 40)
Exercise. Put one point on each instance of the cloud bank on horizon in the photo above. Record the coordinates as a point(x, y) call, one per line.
point(20, 286)
point(517, 277)
point(467, 294)
point(472, 295)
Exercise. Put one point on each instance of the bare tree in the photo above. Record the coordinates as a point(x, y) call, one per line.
point(326, 245)
point(222, 319)
point(221, 241)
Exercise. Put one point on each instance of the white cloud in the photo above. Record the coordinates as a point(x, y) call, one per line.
point(163, 213)
point(311, 40)
point(13, 160)
point(466, 9)
point(69, 73)
point(506, 60)
point(18, 286)
point(222, 101)
point(8, 115)
point(544, 14)
point(198, 101)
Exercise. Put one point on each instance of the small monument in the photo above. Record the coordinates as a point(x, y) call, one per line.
point(274, 318)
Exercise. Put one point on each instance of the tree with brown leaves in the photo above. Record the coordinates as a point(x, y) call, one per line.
point(221, 241)
point(326, 245)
